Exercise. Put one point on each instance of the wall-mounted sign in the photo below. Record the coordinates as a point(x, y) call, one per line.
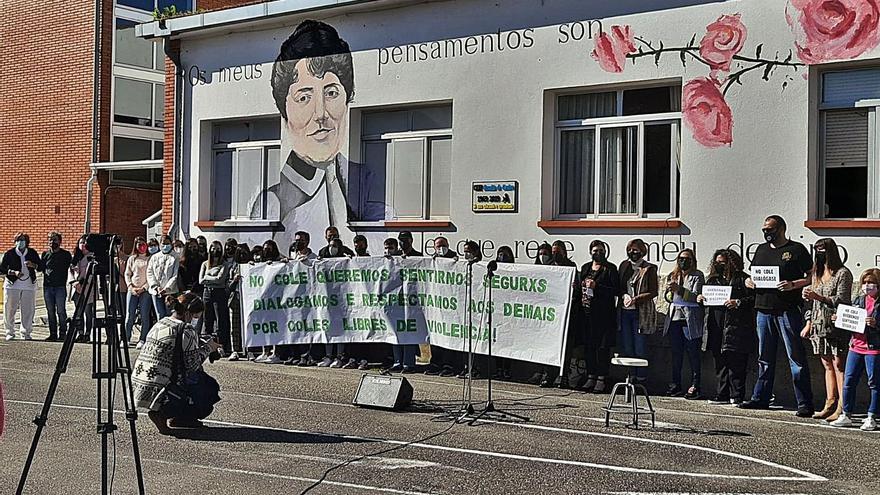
point(495, 196)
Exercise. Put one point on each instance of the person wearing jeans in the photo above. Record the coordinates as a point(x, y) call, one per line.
point(57, 263)
point(779, 316)
point(214, 277)
point(685, 322)
point(139, 298)
point(638, 316)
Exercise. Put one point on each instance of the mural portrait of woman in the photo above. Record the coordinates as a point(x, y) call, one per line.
point(312, 86)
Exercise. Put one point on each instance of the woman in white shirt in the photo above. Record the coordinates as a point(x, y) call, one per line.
point(214, 277)
point(139, 298)
point(162, 276)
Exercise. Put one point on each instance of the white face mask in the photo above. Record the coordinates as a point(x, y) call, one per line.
point(334, 251)
point(469, 256)
point(442, 250)
point(21, 245)
point(545, 259)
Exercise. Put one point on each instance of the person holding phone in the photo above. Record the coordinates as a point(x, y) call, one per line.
point(600, 287)
point(20, 266)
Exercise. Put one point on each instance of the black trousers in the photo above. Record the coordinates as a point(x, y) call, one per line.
point(598, 360)
point(217, 312)
point(730, 371)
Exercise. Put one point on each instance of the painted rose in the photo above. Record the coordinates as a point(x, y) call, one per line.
point(833, 29)
point(724, 38)
point(613, 47)
point(706, 113)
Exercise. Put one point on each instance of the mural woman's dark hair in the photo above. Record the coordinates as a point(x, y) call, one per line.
point(319, 42)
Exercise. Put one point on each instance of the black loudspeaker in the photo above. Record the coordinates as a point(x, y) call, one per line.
point(383, 392)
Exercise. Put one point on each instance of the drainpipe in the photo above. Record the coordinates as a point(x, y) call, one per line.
point(177, 173)
point(96, 114)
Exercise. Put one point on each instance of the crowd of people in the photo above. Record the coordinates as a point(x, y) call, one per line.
point(193, 284)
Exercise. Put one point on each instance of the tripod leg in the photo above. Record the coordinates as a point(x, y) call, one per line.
point(131, 412)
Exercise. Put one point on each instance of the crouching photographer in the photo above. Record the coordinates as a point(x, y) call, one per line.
point(168, 378)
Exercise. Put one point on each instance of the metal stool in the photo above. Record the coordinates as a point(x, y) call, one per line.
point(631, 393)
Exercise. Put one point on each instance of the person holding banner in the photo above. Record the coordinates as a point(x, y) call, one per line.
point(472, 254)
point(360, 245)
point(730, 325)
point(331, 234)
point(242, 256)
point(334, 354)
point(684, 322)
point(600, 285)
point(639, 286)
point(779, 315)
point(575, 336)
point(270, 355)
point(864, 355)
point(832, 286)
point(406, 245)
point(441, 359)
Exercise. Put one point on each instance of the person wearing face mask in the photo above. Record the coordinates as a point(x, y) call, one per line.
point(779, 316)
point(190, 264)
point(575, 334)
point(202, 243)
point(864, 356)
point(441, 249)
point(600, 285)
point(229, 249)
point(471, 253)
point(331, 234)
point(56, 261)
point(242, 256)
point(442, 359)
point(139, 299)
point(831, 286)
point(503, 366)
point(257, 254)
point(684, 322)
point(335, 355)
point(544, 256)
point(274, 354)
point(214, 277)
point(360, 246)
point(172, 359)
point(20, 265)
point(638, 315)
point(730, 328)
point(78, 270)
point(406, 245)
point(299, 249)
point(162, 270)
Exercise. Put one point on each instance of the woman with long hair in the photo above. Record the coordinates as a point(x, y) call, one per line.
point(731, 332)
point(574, 332)
point(214, 277)
point(269, 253)
point(684, 322)
point(191, 262)
point(832, 286)
point(638, 315)
point(242, 256)
point(78, 271)
point(503, 365)
point(173, 357)
point(139, 299)
point(600, 285)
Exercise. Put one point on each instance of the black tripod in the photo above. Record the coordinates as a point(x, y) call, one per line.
point(490, 411)
point(109, 359)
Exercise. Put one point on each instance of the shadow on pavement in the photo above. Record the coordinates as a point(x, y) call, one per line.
point(256, 435)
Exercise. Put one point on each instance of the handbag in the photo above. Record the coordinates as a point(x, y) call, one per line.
point(188, 395)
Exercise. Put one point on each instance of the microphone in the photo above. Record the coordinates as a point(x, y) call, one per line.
point(492, 267)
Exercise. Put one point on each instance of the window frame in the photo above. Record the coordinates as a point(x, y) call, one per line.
point(153, 184)
point(872, 105)
point(235, 148)
point(617, 121)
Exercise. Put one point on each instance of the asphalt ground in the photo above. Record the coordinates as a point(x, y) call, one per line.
point(279, 428)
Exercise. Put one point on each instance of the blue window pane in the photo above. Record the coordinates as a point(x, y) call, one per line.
point(147, 5)
point(182, 5)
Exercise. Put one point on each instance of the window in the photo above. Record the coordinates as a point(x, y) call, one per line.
point(848, 144)
point(150, 5)
point(146, 177)
point(618, 153)
point(139, 103)
point(129, 149)
point(407, 166)
point(244, 156)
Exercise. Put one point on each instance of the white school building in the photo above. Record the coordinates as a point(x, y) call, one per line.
point(515, 122)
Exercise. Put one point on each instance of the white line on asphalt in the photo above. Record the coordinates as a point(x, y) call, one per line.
point(695, 493)
point(264, 475)
point(803, 475)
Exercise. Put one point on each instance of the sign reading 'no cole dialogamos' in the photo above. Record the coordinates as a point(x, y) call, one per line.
point(409, 301)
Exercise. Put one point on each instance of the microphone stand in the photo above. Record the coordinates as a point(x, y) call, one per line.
point(490, 411)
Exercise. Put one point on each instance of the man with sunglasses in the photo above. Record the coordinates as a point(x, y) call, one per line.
point(20, 266)
point(779, 316)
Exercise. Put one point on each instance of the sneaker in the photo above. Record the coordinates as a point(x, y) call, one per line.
point(306, 360)
point(161, 422)
point(447, 372)
point(806, 412)
point(408, 370)
point(325, 363)
point(351, 364)
point(139, 345)
point(294, 361)
point(273, 359)
point(397, 368)
point(537, 378)
point(337, 363)
point(736, 402)
point(51, 338)
point(188, 423)
point(842, 422)
point(752, 404)
point(363, 365)
point(673, 390)
point(10, 337)
point(869, 424)
point(718, 401)
point(433, 370)
point(233, 356)
point(28, 337)
point(600, 386)
point(261, 358)
point(693, 393)
point(588, 385)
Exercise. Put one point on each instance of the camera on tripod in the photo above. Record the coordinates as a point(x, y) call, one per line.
point(100, 245)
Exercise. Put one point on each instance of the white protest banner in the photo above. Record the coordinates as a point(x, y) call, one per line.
point(716, 295)
point(765, 277)
point(408, 301)
point(851, 318)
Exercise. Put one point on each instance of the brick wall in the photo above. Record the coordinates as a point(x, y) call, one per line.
point(224, 4)
point(46, 124)
point(126, 207)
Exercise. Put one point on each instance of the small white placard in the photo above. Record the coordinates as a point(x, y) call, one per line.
point(716, 295)
point(851, 318)
point(765, 277)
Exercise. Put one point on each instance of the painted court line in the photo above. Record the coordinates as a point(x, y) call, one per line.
point(264, 475)
point(802, 475)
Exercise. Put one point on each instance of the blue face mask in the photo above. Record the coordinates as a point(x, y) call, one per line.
point(21, 245)
point(166, 248)
point(153, 249)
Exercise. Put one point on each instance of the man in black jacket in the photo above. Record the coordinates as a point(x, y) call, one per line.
point(56, 261)
point(328, 251)
point(406, 245)
point(20, 265)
